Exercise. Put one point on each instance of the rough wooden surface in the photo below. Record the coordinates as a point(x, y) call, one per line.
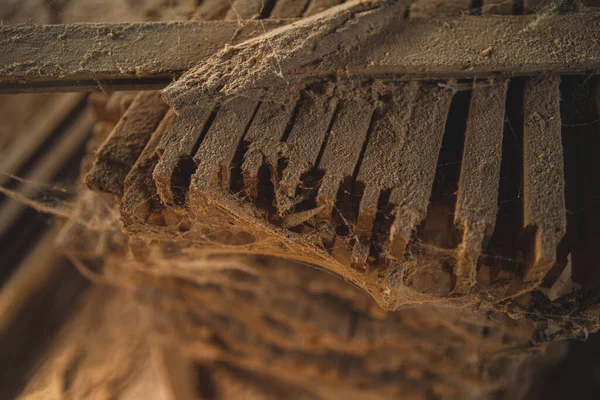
point(477, 198)
point(149, 55)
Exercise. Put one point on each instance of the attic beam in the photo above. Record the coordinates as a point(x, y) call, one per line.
point(84, 57)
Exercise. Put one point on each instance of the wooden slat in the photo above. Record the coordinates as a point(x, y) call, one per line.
point(543, 184)
point(121, 150)
point(379, 166)
point(217, 151)
point(87, 56)
point(305, 142)
point(420, 149)
point(179, 142)
point(140, 188)
point(477, 197)
point(264, 137)
point(340, 156)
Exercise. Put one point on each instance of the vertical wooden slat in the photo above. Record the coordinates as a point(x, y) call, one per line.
point(543, 196)
point(477, 197)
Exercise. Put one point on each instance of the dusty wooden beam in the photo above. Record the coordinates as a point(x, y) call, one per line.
point(83, 57)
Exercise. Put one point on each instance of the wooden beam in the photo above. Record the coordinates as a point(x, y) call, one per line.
point(84, 57)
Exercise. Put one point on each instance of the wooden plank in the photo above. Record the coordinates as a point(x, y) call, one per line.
point(121, 150)
point(179, 142)
point(477, 197)
point(82, 56)
point(305, 142)
point(85, 56)
point(419, 151)
point(263, 139)
point(543, 184)
point(343, 147)
point(139, 189)
point(379, 166)
point(216, 153)
point(456, 47)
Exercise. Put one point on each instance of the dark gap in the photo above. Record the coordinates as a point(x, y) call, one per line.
point(205, 129)
point(206, 388)
point(569, 243)
point(267, 7)
point(305, 7)
point(580, 126)
point(438, 227)
point(503, 252)
point(182, 175)
point(476, 6)
point(181, 179)
point(381, 226)
point(236, 183)
point(265, 199)
point(292, 121)
point(327, 133)
point(352, 323)
point(344, 208)
point(517, 8)
point(308, 188)
point(567, 7)
point(406, 14)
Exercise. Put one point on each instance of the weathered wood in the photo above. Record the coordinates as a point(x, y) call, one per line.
point(125, 143)
point(543, 184)
point(83, 57)
point(179, 142)
point(216, 153)
point(263, 139)
point(342, 150)
point(477, 197)
point(88, 56)
point(305, 142)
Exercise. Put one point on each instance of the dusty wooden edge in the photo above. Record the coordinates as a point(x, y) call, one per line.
point(83, 57)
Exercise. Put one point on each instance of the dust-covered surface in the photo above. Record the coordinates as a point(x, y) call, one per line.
point(367, 37)
point(225, 214)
